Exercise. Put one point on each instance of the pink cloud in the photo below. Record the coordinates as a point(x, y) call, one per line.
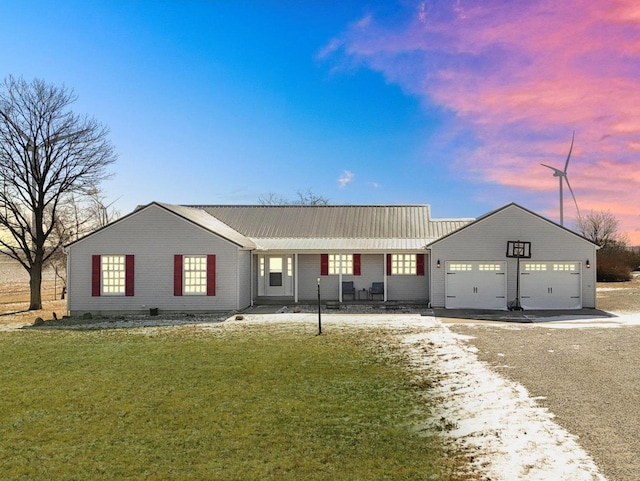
point(521, 76)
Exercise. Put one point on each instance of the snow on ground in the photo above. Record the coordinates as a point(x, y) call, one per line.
point(506, 433)
point(495, 420)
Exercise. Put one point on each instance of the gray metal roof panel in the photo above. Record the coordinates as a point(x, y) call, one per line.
point(341, 222)
point(210, 223)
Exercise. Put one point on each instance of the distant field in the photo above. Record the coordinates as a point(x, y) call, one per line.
point(14, 294)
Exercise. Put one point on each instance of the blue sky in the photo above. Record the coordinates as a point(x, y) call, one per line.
point(360, 102)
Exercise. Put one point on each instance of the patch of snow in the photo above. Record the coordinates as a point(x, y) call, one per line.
point(495, 420)
point(509, 435)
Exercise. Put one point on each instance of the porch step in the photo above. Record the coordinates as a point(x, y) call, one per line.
point(332, 305)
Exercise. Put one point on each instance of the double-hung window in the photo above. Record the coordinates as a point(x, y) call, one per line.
point(194, 275)
point(336, 264)
point(340, 263)
point(112, 275)
point(405, 264)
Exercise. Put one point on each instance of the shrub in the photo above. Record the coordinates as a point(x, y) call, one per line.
point(615, 263)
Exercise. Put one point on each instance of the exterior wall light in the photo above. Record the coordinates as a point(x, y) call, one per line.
point(588, 264)
point(438, 265)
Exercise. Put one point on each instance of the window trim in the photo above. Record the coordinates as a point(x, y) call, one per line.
point(416, 266)
point(98, 277)
point(179, 275)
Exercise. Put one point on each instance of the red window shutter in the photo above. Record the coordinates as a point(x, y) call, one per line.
point(420, 264)
point(388, 264)
point(211, 275)
point(356, 264)
point(177, 275)
point(95, 275)
point(324, 264)
point(128, 275)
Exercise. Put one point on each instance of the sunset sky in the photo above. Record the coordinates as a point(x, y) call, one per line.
point(449, 103)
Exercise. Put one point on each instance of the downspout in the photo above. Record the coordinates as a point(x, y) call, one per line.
point(251, 277)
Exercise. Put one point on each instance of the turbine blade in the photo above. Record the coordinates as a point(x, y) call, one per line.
point(572, 195)
point(556, 171)
point(570, 149)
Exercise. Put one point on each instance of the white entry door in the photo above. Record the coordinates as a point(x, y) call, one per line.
point(550, 285)
point(275, 277)
point(476, 285)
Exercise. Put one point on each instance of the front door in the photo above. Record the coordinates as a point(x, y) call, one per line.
point(276, 275)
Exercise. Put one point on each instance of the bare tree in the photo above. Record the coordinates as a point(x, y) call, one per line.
point(77, 216)
point(271, 198)
point(302, 198)
point(601, 228)
point(48, 155)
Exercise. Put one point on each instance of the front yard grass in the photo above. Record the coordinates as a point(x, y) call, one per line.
point(255, 403)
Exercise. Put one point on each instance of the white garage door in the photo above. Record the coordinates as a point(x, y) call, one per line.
point(550, 285)
point(476, 285)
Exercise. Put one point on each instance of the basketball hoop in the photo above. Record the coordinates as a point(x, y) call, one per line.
point(519, 250)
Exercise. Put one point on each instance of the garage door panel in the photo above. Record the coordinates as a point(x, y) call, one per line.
point(478, 285)
point(550, 285)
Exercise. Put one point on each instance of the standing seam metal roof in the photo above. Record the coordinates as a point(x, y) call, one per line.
point(304, 222)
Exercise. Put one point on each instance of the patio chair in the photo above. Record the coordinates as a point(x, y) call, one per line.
point(377, 288)
point(348, 289)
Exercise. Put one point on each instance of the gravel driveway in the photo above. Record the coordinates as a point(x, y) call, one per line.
point(588, 377)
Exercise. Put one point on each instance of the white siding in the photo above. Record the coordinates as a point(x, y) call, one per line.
point(487, 239)
point(154, 236)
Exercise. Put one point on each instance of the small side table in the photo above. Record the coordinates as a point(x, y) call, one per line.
point(363, 294)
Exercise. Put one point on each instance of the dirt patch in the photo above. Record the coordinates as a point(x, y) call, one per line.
point(14, 295)
point(619, 296)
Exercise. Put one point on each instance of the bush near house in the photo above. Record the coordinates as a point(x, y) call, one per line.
point(616, 262)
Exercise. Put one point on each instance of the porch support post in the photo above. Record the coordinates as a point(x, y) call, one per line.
point(384, 264)
point(295, 278)
point(340, 277)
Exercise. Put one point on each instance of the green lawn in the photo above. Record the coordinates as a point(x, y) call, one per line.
point(184, 403)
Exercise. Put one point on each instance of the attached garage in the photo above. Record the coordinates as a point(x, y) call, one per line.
point(550, 285)
point(474, 268)
point(476, 284)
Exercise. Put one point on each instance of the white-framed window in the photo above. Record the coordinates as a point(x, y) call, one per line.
point(565, 267)
point(195, 274)
point(341, 263)
point(535, 266)
point(403, 264)
point(113, 274)
point(459, 267)
point(489, 267)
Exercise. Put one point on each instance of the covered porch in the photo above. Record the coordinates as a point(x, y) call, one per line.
point(365, 278)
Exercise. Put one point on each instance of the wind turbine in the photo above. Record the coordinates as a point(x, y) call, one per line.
point(562, 174)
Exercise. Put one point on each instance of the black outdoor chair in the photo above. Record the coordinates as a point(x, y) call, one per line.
point(348, 289)
point(377, 288)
